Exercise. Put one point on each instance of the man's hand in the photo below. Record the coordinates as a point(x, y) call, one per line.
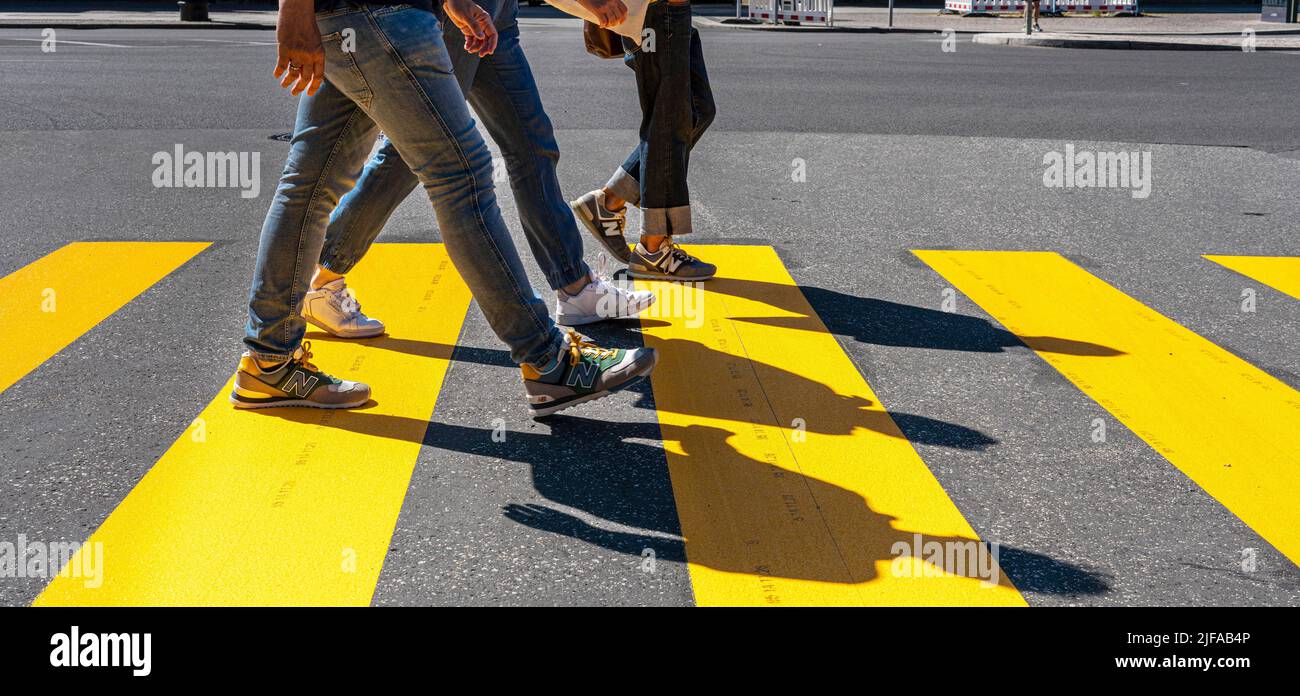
point(300, 61)
point(475, 23)
point(609, 13)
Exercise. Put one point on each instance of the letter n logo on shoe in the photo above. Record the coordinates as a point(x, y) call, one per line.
point(300, 384)
point(583, 374)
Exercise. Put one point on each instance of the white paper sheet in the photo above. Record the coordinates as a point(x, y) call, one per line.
point(630, 27)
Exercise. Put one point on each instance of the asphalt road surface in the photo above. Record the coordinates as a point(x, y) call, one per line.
point(901, 147)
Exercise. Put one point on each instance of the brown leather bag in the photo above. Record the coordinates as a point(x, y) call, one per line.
point(601, 43)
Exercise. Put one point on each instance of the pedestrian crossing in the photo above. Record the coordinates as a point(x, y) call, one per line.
point(291, 506)
point(1282, 273)
point(1231, 427)
point(793, 483)
point(65, 294)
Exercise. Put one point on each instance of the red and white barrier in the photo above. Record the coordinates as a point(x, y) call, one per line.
point(996, 6)
point(802, 11)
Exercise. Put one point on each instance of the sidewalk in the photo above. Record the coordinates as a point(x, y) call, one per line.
point(1227, 23)
point(1262, 41)
point(1210, 29)
point(135, 19)
point(1217, 29)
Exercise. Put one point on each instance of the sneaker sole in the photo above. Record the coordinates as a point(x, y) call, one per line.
point(255, 405)
point(620, 252)
point(556, 408)
point(643, 275)
point(339, 334)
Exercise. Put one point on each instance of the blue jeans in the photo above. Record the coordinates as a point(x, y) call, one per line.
point(399, 79)
point(676, 108)
point(504, 94)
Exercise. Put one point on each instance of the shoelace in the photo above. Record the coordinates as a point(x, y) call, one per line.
point(678, 253)
point(302, 356)
point(577, 347)
point(346, 301)
point(604, 282)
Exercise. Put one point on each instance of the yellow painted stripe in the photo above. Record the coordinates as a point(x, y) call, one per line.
point(291, 506)
point(48, 304)
point(1229, 426)
point(1282, 273)
point(793, 484)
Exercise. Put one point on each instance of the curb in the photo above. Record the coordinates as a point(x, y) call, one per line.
point(710, 23)
point(112, 24)
point(1112, 43)
point(1135, 42)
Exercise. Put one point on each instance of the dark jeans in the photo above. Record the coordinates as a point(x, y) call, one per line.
point(676, 108)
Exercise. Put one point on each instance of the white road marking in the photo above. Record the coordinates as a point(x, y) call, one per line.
point(242, 43)
point(67, 41)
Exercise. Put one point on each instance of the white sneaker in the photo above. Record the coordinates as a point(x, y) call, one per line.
point(600, 300)
point(334, 308)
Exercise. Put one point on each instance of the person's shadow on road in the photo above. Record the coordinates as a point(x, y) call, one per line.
point(591, 466)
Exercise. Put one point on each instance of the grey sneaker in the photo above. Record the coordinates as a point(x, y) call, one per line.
point(584, 372)
point(606, 225)
point(669, 263)
point(295, 382)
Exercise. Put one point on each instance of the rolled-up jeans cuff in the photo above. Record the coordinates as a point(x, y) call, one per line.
point(269, 357)
point(548, 360)
point(666, 221)
point(625, 186)
point(568, 276)
point(338, 264)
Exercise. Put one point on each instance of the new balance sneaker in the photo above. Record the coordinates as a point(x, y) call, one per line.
point(295, 382)
point(584, 372)
point(606, 225)
point(600, 300)
point(668, 263)
point(333, 308)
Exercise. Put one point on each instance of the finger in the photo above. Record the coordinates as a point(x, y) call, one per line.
point(290, 76)
point(281, 65)
point(317, 76)
point(301, 79)
point(485, 30)
point(485, 24)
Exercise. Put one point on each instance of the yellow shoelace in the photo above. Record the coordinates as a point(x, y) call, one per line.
point(303, 356)
point(577, 347)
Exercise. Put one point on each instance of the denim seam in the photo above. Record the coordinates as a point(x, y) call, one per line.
point(352, 61)
point(460, 154)
point(269, 357)
point(390, 9)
